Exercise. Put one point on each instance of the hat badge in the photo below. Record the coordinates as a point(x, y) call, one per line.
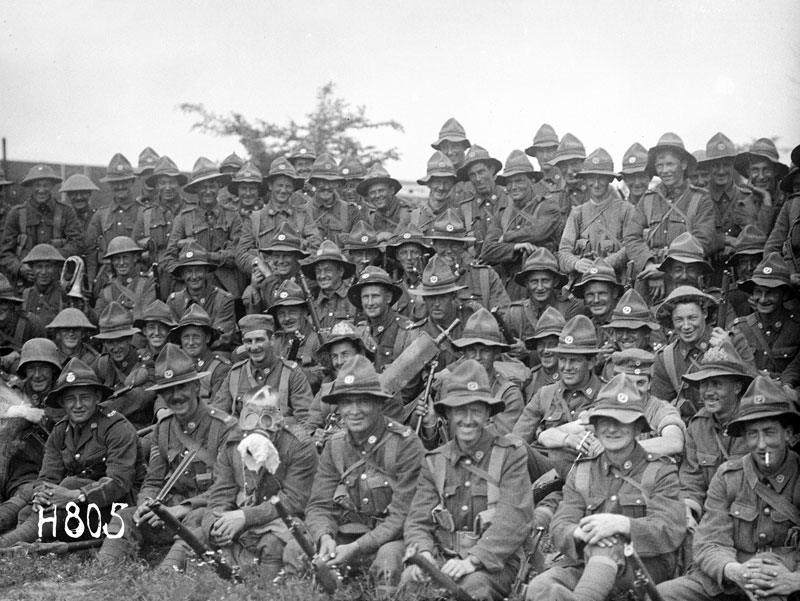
point(319, 252)
point(631, 159)
point(190, 254)
point(328, 166)
point(637, 371)
point(302, 151)
point(70, 377)
point(281, 167)
point(622, 397)
point(345, 171)
point(569, 340)
point(364, 276)
point(281, 236)
point(434, 279)
point(441, 163)
point(449, 227)
point(284, 294)
point(626, 310)
point(473, 386)
point(406, 236)
point(768, 270)
point(593, 270)
point(40, 168)
point(364, 238)
point(721, 146)
point(120, 167)
point(759, 399)
point(168, 374)
point(596, 160)
point(349, 379)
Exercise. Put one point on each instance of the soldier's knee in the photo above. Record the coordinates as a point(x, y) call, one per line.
point(388, 563)
point(271, 548)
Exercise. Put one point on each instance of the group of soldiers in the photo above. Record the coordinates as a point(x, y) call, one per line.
point(606, 358)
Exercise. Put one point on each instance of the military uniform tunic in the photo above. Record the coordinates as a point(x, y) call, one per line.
point(135, 404)
point(522, 315)
point(134, 293)
point(392, 333)
point(774, 338)
point(334, 222)
point(480, 213)
point(306, 352)
point(388, 220)
point(217, 303)
point(784, 238)
point(106, 224)
point(335, 307)
point(43, 304)
point(483, 286)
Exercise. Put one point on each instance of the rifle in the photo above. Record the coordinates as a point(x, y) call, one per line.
point(427, 394)
point(501, 323)
point(435, 574)
point(312, 310)
point(294, 347)
point(145, 431)
point(545, 484)
point(202, 550)
point(57, 547)
point(630, 275)
point(722, 310)
point(524, 572)
point(322, 571)
point(643, 580)
point(157, 280)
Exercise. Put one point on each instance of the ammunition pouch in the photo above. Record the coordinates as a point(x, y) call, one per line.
point(454, 542)
point(342, 498)
point(580, 246)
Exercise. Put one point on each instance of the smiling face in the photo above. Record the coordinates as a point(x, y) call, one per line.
point(721, 172)
point(360, 414)
point(450, 251)
point(281, 189)
point(194, 341)
point(767, 436)
point(182, 399)
point(375, 301)
point(124, 264)
point(689, 321)
point(720, 395)
point(329, 275)
point(519, 187)
point(257, 345)
point(597, 185)
point(40, 376)
point(167, 188)
point(483, 354)
point(79, 199)
point(600, 297)
point(69, 338)
point(482, 177)
point(769, 300)
point(544, 348)
point(341, 352)
point(570, 168)
point(303, 167)
point(284, 263)
point(194, 277)
point(670, 168)
point(637, 183)
point(575, 370)
point(118, 348)
point(379, 195)
point(746, 266)
point(291, 318)
point(467, 423)
point(615, 436)
point(631, 337)
point(207, 194)
point(156, 334)
point(540, 286)
point(685, 274)
point(455, 151)
point(248, 194)
point(122, 190)
point(440, 306)
point(761, 174)
point(44, 273)
point(439, 188)
point(324, 190)
point(410, 257)
point(80, 403)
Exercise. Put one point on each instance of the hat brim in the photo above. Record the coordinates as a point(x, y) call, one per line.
point(567, 156)
point(496, 405)
point(334, 398)
point(114, 335)
point(625, 416)
point(454, 236)
point(284, 248)
point(462, 343)
point(742, 163)
point(743, 253)
point(53, 398)
point(714, 372)
point(10, 297)
point(638, 168)
point(177, 269)
point(612, 174)
point(531, 150)
point(308, 267)
point(560, 278)
point(787, 183)
point(536, 176)
point(326, 178)
point(691, 161)
point(443, 139)
point(421, 242)
point(108, 255)
point(423, 291)
point(121, 178)
point(175, 334)
point(222, 178)
point(428, 176)
point(151, 181)
point(177, 381)
point(574, 350)
point(686, 260)
point(273, 309)
point(736, 426)
point(577, 289)
point(142, 321)
point(462, 172)
point(632, 324)
point(354, 292)
point(363, 187)
point(748, 285)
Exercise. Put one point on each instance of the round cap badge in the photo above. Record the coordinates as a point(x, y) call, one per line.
point(349, 379)
point(70, 377)
point(569, 340)
point(593, 270)
point(720, 146)
point(449, 227)
point(345, 171)
point(626, 310)
point(595, 160)
point(120, 167)
point(759, 399)
point(302, 151)
point(364, 238)
point(328, 166)
point(473, 386)
point(434, 279)
point(768, 270)
point(281, 167)
point(406, 236)
point(441, 163)
point(284, 294)
point(631, 159)
point(622, 397)
point(190, 254)
point(168, 374)
point(281, 236)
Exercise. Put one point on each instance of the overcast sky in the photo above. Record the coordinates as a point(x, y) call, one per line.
point(82, 80)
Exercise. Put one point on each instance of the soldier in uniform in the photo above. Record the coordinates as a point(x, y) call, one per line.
point(543, 281)
point(16, 325)
point(120, 368)
point(773, 331)
point(762, 169)
point(721, 380)
point(194, 268)
point(290, 313)
point(634, 172)
point(599, 290)
point(145, 166)
point(352, 172)
point(490, 199)
point(699, 176)
point(128, 284)
point(283, 253)
point(190, 424)
point(78, 189)
point(543, 340)
point(380, 189)
point(453, 143)
point(671, 208)
point(155, 323)
point(365, 482)
point(623, 494)
point(244, 192)
point(41, 219)
point(209, 225)
point(263, 225)
point(784, 237)
point(570, 191)
point(154, 224)
point(747, 254)
point(240, 519)
point(543, 149)
point(329, 213)
point(4, 186)
point(302, 159)
point(408, 252)
point(263, 367)
point(477, 531)
point(117, 218)
point(484, 287)
point(595, 229)
point(44, 298)
point(89, 459)
point(363, 247)
point(70, 330)
point(229, 198)
point(440, 179)
point(526, 223)
point(329, 268)
point(683, 265)
point(573, 392)
point(195, 335)
point(688, 310)
point(746, 544)
point(38, 368)
point(373, 295)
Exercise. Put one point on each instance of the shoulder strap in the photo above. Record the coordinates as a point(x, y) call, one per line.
point(343, 214)
point(58, 217)
point(147, 217)
point(466, 209)
point(483, 280)
point(283, 387)
point(767, 494)
point(19, 332)
point(691, 212)
point(438, 466)
point(582, 479)
point(22, 238)
point(337, 454)
point(363, 460)
point(756, 335)
point(496, 460)
point(255, 219)
point(671, 367)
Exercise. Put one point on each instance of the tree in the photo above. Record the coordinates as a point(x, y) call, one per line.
point(331, 127)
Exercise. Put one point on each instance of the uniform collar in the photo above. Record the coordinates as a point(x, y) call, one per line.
point(392, 208)
point(780, 479)
point(193, 421)
point(722, 195)
point(130, 359)
point(46, 208)
point(478, 452)
point(636, 458)
point(675, 193)
point(374, 436)
point(273, 208)
point(215, 210)
point(589, 390)
point(341, 291)
point(701, 345)
point(384, 322)
point(203, 361)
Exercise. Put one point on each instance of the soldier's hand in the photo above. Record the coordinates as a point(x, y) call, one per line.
point(327, 547)
point(583, 265)
point(7, 361)
point(458, 568)
point(602, 526)
point(61, 497)
point(718, 336)
point(735, 572)
point(137, 377)
point(144, 515)
point(26, 272)
point(412, 574)
point(767, 576)
point(228, 525)
point(657, 289)
point(257, 277)
point(763, 195)
point(342, 554)
point(525, 247)
point(517, 349)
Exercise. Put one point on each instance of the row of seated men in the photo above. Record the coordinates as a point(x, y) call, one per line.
point(634, 469)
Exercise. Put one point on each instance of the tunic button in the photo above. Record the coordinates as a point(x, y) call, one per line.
point(363, 452)
point(363, 476)
point(467, 484)
point(762, 536)
point(616, 476)
point(767, 511)
point(468, 461)
point(638, 501)
point(736, 512)
point(613, 497)
point(77, 455)
point(464, 508)
point(365, 500)
point(779, 478)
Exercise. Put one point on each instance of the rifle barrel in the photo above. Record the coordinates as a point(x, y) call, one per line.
point(440, 579)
